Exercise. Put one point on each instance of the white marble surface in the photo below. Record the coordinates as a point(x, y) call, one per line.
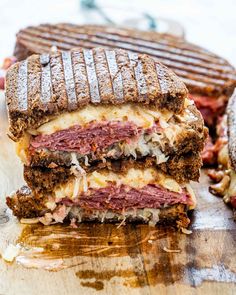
point(210, 23)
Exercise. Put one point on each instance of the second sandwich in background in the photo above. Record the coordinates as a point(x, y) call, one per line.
point(104, 135)
point(225, 174)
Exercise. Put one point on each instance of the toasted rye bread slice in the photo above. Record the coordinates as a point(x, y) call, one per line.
point(25, 206)
point(203, 72)
point(45, 86)
point(231, 120)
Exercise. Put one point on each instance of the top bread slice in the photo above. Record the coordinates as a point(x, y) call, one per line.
point(44, 86)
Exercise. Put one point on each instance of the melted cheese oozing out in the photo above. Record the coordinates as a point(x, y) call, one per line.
point(142, 116)
point(136, 178)
point(193, 197)
point(22, 147)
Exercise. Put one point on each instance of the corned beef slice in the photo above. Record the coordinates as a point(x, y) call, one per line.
point(210, 108)
point(124, 197)
point(84, 140)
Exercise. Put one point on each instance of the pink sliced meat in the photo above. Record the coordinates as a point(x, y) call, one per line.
point(123, 197)
point(209, 154)
point(210, 107)
point(211, 150)
point(84, 140)
point(233, 201)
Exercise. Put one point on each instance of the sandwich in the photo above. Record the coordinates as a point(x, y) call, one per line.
point(209, 78)
point(225, 174)
point(104, 135)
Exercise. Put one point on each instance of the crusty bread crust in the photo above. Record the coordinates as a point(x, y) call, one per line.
point(24, 205)
point(45, 86)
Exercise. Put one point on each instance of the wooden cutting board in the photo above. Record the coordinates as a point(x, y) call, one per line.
point(106, 259)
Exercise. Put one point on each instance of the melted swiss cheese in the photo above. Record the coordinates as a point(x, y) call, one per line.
point(136, 178)
point(140, 115)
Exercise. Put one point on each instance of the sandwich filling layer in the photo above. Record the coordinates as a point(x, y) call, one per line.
point(107, 191)
point(112, 132)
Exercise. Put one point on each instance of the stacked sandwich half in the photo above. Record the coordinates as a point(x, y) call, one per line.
point(104, 135)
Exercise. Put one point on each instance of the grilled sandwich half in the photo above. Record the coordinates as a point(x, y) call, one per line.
point(104, 135)
point(209, 78)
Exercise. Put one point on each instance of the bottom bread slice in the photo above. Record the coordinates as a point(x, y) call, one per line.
point(175, 215)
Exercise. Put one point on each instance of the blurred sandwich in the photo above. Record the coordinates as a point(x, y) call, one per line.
point(209, 78)
point(104, 135)
point(225, 174)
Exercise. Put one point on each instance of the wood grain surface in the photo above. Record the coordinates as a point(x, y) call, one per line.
point(106, 259)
